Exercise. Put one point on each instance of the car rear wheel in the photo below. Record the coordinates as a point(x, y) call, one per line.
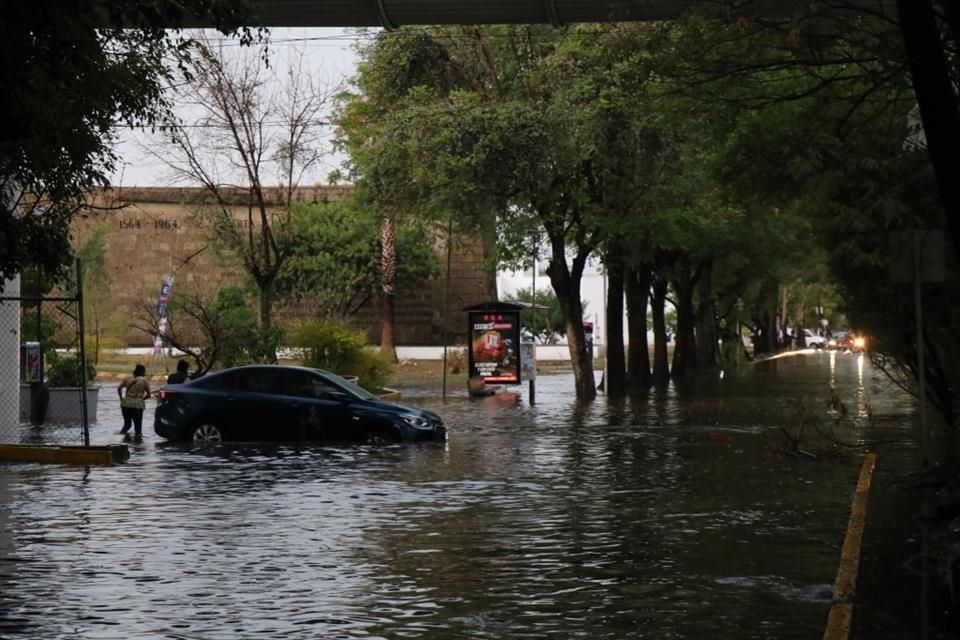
point(206, 433)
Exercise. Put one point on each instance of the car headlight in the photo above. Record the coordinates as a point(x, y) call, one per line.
point(859, 343)
point(415, 421)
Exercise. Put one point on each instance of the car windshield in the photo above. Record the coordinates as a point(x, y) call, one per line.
point(353, 388)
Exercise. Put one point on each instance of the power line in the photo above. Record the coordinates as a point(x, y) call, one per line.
point(161, 128)
point(373, 35)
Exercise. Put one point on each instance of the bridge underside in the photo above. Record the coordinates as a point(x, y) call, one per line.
point(394, 13)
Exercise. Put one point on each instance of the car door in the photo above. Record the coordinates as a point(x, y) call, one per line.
point(261, 412)
point(217, 398)
point(323, 409)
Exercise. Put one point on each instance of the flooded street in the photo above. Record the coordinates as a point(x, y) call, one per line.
point(667, 517)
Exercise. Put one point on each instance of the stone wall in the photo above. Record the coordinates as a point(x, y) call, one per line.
point(151, 232)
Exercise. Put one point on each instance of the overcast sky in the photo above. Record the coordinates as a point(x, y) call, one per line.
point(328, 53)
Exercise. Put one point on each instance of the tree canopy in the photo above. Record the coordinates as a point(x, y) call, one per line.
point(335, 261)
point(703, 160)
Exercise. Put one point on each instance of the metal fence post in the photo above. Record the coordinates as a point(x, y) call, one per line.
point(81, 333)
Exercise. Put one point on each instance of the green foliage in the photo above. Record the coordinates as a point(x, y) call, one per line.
point(334, 347)
point(74, 71)
point(241, 340)
point(336, 257)
point(49, 327)
point(33, 240)
point(93, 257)
point(263, 350)
point(530, 135)
point(824, 137)
point(99, 313)
point(738, 158)
point(65, 371)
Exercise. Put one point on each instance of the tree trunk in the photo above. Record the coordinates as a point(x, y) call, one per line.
point(266, 303)
point(937, 100)
point(566, 285)
point(615, 382)
point(684, 346)
point(769, 324)
point(388, 290)
point(488, 240)
point(707, 343)
point(764, 336)
point(783, 305)
point(582, 360)
point(661, 368)
point(638, 354)
point(267, 286)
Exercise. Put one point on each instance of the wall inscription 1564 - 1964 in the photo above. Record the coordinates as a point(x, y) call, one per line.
point(158, 224)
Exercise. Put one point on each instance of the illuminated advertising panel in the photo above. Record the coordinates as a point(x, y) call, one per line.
point(495, 346)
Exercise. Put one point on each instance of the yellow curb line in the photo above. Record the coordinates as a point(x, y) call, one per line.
point(840, 619)
point(64, 454)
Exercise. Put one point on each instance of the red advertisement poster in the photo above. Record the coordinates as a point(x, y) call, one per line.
point(495, 346)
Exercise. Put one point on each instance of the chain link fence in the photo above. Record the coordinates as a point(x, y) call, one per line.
point(53, 384)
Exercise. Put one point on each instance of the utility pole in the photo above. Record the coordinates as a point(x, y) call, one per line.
point(533, 320)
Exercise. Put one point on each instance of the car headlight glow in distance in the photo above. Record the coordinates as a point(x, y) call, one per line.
point(860, 342)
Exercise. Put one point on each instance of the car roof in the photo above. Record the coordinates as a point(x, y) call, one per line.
point(272, 367)
point(292, 367)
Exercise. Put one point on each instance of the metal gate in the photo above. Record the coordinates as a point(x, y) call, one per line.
point(53, 381)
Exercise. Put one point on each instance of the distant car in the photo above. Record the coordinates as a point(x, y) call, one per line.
point(286, 403)
point(840, 341)
point(847, 341)
point(813, 340)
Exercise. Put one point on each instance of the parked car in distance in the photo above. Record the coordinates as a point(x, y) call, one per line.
point(286, 403)
point(847, 341)
point(813, 340)
point(841, 340)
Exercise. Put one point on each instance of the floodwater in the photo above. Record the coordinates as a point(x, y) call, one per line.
point(671, 516)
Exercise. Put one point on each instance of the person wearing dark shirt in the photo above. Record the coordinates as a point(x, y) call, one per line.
point(180, 375)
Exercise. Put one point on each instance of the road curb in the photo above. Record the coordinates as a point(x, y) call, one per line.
point(840, 620)
point(105, 455)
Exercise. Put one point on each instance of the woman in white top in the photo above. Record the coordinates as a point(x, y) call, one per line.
point(133, 402)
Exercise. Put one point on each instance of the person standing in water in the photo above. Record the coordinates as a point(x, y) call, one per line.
point(133, 402)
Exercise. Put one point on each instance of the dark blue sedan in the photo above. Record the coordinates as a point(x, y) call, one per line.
point(284, 403)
